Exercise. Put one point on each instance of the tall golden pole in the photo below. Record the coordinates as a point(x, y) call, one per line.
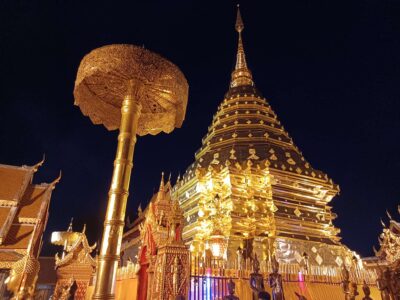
point(118, 195)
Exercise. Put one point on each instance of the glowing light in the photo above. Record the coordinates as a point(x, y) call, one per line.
point(201, 213)
point(208, 287)
point(210, 184)
point(207, 246)
point(301, 277)
point(199, 187)
point(227, 180)
point(216, 249)
point(218, 244)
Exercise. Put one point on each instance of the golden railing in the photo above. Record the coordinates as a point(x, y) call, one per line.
point(290, 272)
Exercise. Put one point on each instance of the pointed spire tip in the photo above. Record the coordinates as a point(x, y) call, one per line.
point(239, 22)
point(241, 75)
point(70, 225)
point(162, 182)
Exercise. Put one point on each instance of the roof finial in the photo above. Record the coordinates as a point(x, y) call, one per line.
point(388, 214)
point(162, 182)
point(239, 22)
point(40, 163)
point(70, 225)
point(241, 75)
point(140, 211)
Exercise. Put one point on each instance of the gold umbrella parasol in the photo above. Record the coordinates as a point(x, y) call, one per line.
point(139, 92)
point(102, 84)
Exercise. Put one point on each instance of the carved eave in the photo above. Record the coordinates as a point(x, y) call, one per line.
point(81, 244)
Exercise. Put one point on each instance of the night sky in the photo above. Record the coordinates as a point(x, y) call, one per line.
point(330, 70)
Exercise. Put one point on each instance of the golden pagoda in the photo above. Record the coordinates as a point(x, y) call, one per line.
point(257, 218)
point(272, 200)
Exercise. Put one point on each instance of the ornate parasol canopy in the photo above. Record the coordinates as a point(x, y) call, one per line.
point(102, 83)
point(64, 238)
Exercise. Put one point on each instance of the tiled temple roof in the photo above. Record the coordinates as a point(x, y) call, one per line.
point(13, 181)
point(23, 207)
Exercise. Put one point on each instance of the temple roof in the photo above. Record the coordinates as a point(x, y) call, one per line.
point(13, 181)
point(74, 243)
point(23, 212)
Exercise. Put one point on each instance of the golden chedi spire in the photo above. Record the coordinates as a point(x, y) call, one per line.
point(241, 76)
point(246, 139)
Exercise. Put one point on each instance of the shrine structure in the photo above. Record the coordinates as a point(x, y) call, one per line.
point(24, 211)
point(75, 267)
point(161, 255)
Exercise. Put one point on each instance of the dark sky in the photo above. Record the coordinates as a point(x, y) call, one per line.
point(330, 69)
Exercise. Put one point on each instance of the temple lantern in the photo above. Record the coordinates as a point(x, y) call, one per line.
point(218, 243)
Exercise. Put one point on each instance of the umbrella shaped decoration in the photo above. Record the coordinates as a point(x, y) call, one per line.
point(103, 80)
point(139, 92)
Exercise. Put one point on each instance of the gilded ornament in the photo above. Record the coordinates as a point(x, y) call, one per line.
point(139, 92)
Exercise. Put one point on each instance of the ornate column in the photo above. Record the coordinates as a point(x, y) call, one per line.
point(118, 195)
